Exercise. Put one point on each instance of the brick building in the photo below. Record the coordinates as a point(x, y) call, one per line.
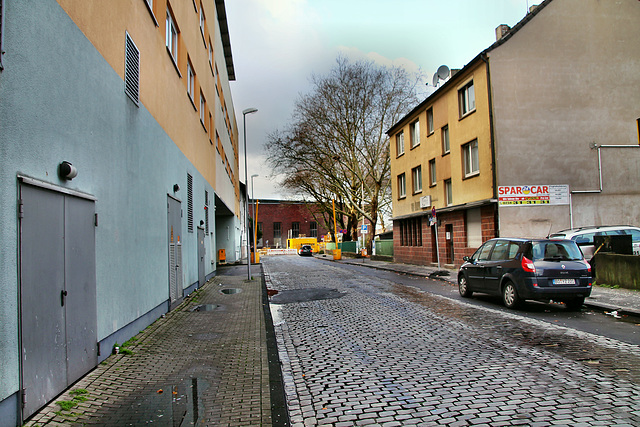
point(279, 220)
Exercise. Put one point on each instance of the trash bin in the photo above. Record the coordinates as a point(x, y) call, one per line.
point(222, 256)
point(337, 254)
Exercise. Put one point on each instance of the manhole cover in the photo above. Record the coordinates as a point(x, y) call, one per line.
point(229, 291)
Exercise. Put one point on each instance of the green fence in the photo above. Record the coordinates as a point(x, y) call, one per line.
point(384, 247)
point(348, 246)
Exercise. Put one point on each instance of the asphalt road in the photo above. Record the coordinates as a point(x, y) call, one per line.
point(362, 347)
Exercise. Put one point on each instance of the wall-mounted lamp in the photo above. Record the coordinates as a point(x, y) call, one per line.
point(67, 171)
point(176, 188)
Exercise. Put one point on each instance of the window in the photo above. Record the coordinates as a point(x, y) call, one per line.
point(432, 172)
point(132, 70)
point(191, 80)
point(201, 21)
point(448, 192)
point(415, 133)
point(411, 232)
point(277, 230)
point(482, 254)
point(400, 144)
point(445, 140)
point(470, 156)
point(416, 179)
point(313, 229)
point(467, 99)
point(402, 186)
point(171, 36)
point(295, 230)
point(429, 121)
point(203, 103)
point(189, 203)
point(210, 54)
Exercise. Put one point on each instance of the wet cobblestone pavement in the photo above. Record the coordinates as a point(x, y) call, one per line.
point(362, 351)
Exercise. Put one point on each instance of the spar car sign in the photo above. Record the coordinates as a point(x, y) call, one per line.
point(533, 195)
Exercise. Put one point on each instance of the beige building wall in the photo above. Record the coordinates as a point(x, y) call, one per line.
point(163, 81)
point(565, 81)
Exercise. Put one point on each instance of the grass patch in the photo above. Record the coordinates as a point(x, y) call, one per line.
point(66, 405)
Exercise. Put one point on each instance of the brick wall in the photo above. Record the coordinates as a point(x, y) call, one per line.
point(286, 213)
point(455, 222)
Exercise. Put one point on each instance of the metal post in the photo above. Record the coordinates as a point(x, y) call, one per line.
point(246, 198)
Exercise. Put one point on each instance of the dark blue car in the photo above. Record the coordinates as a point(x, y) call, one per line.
point(525, 269)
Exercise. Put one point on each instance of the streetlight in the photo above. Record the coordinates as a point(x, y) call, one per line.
point(246, 199)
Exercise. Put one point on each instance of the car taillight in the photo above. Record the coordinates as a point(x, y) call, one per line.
point(527, 265)
point(588, 265)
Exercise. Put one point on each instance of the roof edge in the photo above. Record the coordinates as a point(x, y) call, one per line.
point(226, 40)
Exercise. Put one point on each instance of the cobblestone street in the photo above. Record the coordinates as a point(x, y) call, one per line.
point(362, 351)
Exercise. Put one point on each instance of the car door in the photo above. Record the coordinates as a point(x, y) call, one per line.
point(475, 269)
point(494, 267)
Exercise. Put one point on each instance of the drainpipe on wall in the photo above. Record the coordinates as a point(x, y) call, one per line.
point(599, 147)
point(494, 172)
point(2, 30)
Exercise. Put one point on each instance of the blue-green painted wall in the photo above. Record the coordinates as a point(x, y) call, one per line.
point(60, 100)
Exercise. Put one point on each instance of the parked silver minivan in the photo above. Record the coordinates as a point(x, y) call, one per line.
point(583, 236)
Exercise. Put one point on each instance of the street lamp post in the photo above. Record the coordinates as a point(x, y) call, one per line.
point(246, 198)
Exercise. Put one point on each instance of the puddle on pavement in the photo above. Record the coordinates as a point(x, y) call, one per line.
point(229, 291)
point(171, 405)
point(305, 295)
point(207, 307)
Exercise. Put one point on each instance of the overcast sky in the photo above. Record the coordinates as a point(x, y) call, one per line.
point(278, 44)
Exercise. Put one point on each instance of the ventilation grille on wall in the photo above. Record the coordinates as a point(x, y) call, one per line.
point(190, 203)
point(206, 211)
point(132, 71)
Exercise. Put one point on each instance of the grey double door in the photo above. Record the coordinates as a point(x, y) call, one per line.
point(57, 292)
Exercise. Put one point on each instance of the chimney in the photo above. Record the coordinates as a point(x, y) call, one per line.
point(501, 30)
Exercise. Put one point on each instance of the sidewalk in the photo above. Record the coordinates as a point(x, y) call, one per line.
point(622, 301)
point(204, 363)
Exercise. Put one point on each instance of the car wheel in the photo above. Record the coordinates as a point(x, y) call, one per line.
point(574, 304)
point(463, 288)
point(510, 295)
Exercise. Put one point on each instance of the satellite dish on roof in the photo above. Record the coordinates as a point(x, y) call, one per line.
point(443, 72)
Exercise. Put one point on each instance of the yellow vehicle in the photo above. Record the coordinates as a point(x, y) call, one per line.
point(299, 241)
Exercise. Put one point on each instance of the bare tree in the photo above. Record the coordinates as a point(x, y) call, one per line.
point(336, 146)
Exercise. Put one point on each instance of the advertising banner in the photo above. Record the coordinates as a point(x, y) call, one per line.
point(533, 195)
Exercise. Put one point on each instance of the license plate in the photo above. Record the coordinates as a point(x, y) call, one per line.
point(564, 281)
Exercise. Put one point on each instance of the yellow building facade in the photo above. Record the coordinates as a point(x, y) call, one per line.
point(442, 159)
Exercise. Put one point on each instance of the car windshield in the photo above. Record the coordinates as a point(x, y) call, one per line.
point(555, 251)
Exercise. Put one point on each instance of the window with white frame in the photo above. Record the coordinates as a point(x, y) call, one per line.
point(429, 121)
point(201, 21)
point(416, 179)
point(445, 140)
point(402, 186)
point(400, 144)
point(467, 99)
point(432, 172)
point(448, 192)
point(470, 158)
point(210, 53)
point(415, 133)
point(191, 80)
point(203, 104)
point(171, 36)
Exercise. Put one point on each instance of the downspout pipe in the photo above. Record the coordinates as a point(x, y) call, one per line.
point(3, 12)
point(494, 172)
point(599, 190)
